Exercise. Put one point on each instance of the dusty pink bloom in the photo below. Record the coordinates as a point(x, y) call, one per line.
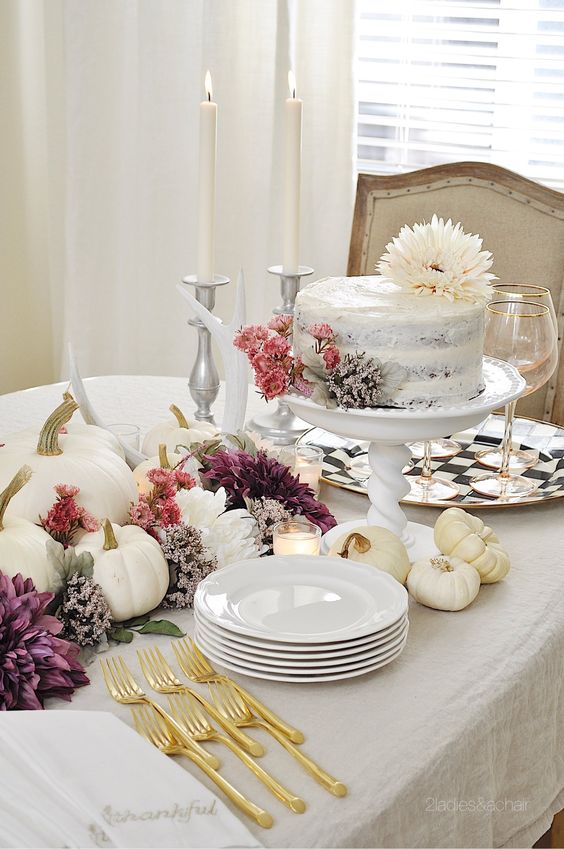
point(276, 346)
point(89, 522)
point(274, 383)
point(303, 386)
point(281, 324)
point(169, 513)
point(165, 480)
point(141, 514)
point(331, 357)
point(261, 363)
point(250, 335)
point(65, 490)
point(320, 331)
point(184, 480)
point(62, 515)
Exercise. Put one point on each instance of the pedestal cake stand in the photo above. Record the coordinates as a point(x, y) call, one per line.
point(388, 430)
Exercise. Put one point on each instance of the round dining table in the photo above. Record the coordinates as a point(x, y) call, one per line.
point(457, 743)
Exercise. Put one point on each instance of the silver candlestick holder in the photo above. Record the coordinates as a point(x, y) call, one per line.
point(282, 427)
point(204, 378)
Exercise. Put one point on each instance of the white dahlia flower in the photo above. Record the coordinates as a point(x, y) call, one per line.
point(439, 259)
point(231, 535)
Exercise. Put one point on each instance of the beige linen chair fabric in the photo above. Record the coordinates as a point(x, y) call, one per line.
point(521, 223)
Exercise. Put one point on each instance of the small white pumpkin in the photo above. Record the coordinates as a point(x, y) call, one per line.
point(23, 545)
point(443, 583)
point(177, 431)
point(130, 567)
point(107, 486)
point(165, 460)
point(97, 434)
point(377, 546)
point(462, 535)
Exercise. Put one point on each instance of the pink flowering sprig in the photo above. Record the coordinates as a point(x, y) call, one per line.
point(66, 516)
point(158, 508)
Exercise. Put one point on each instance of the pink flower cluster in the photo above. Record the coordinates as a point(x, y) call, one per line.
point(66, 517)
point(158, 509)
point(271, 355)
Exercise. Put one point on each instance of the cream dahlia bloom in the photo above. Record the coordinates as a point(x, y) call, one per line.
point(231, 535)
point(439, 259)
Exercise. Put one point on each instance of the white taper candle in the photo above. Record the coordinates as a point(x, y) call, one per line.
point(292, 178)
point(206, 185)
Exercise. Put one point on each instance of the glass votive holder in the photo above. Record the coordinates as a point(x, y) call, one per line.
point(128, 433)
point(296, 536)
point(306, 462)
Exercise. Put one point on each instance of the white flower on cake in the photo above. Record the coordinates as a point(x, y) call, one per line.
point(439, 259)
point(230, 535)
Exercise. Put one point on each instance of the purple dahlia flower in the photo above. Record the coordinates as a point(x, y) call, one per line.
point(244, 476)
point(34, 663)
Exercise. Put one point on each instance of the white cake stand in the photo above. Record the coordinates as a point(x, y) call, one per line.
point(388, 430)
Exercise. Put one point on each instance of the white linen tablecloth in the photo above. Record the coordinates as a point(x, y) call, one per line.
point(458, 743)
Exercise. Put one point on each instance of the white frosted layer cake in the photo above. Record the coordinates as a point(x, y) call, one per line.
point(438, 342)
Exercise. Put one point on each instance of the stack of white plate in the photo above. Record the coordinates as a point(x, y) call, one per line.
point(301, 618)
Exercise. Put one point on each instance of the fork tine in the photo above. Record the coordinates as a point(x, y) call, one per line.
point(145, 669)
point(184, 659)
point(131, 682)
point(219, 700)
point(204, 662)
point(178, 708)
point(165, 668)
point(118, 679)
point(108, 678)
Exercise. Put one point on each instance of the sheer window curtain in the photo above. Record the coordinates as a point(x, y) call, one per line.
point(100, 166)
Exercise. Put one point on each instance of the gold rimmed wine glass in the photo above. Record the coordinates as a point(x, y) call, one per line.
point(521, 333)
point(519, 459)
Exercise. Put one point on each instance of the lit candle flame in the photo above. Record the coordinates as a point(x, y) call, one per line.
point(292, 83)
point(208, 85)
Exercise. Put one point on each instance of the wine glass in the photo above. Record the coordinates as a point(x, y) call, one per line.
point(426, 486)
point(519, 460)
point(521, 333)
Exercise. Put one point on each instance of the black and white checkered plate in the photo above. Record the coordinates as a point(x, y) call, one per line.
point(345, 464)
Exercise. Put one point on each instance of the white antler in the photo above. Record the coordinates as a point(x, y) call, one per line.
point(234, 361)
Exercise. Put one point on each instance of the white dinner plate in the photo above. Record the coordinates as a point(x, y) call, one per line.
point(262, 645)
point(305, 679)
point(285, 663)
point(219, 638)
point(302, 598)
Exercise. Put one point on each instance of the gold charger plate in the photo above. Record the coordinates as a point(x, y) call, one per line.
point(345, 462)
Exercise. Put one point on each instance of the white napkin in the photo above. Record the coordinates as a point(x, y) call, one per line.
point(84, 778)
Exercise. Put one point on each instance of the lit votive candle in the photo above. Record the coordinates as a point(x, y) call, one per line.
point(296, 536)
point(308, 464)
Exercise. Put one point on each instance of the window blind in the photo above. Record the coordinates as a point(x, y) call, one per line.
point(446, 80)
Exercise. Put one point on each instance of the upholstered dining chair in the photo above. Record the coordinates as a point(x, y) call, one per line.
point(521, 223)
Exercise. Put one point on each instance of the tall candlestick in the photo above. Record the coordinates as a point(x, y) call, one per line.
point(206, 205)
point(293, 153)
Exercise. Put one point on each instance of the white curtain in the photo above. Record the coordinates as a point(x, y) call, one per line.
point(102, 99)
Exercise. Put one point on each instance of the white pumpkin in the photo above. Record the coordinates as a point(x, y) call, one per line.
point(23, 544)
point(177, 431)
point(462, 535)
point(130, 567)
point(377, 546)
point(99, 434)
point(107, 486)
point(443, 583)
point(165, 460)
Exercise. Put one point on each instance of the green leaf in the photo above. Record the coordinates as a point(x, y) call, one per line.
point(161, 626)
point(121, 635)
point(65, 563)
point(136, 621)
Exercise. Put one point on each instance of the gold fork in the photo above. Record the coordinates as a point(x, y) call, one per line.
point(124, 689)
point(150, 725)
point(160, 676)
point(198, 668)
point(188, 713)
point(228, 701)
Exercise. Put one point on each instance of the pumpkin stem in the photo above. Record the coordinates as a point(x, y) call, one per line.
point(179, 416)
point(361, 543)
point(441, 563)
point(20, 479)
point(163, 458)
point(110, 540)
point(48, 442)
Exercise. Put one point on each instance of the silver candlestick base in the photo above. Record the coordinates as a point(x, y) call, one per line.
point(204, 378)
point(282, 427)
